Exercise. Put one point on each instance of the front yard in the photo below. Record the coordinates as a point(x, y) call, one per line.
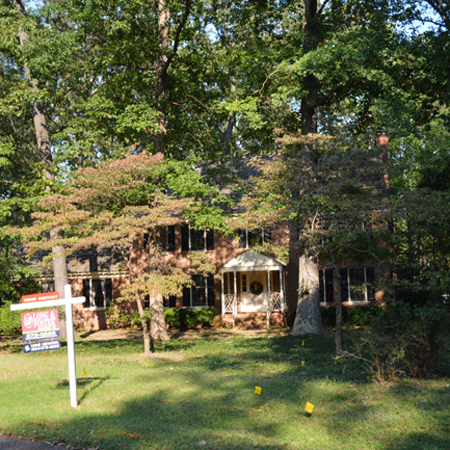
point(200, 393)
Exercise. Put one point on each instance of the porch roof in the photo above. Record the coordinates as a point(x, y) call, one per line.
point(251, 261)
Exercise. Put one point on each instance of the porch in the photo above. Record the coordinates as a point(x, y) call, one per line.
point(253, 283)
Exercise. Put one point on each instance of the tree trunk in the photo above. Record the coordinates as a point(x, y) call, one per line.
point(308, 319)
point(161, 75)
point(45, 156)
point(145, 332)
point(337, 276)
point(310, 81)
point(157, 324)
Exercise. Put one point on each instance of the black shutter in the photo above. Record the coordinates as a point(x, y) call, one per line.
point(187, 297)
point(86, 293)
point(172, 301)
point(321, 286)
point(185, 238)
point(370, 277)
point(329, 287)
point(108, 291)
point(242, 240)
point(93, 261)
point(210, 290)
point(344, 284)
point(209, 240)
point(97, 289)
point(171, 238)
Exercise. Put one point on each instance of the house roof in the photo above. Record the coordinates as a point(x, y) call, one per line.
point(251, 261)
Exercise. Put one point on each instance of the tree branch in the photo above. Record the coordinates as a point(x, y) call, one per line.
point(178, 33)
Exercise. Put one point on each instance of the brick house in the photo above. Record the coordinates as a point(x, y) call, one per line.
point(247, 286)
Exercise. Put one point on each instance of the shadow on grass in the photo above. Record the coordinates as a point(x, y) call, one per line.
point(207, 400)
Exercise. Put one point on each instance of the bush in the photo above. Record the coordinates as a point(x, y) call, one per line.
point(136, 319)
point(404, 341)
point(116, 318)
point(185, 319)
point(10, 321)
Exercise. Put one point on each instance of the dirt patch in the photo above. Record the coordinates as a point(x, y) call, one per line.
point(165, 356)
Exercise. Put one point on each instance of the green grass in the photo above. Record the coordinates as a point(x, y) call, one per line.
point(129, 401)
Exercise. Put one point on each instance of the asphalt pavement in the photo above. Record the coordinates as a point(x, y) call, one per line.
point(19, 444)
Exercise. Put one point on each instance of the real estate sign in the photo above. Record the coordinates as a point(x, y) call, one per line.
point(40, 326)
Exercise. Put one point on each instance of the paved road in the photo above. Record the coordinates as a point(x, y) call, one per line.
point(18, 444)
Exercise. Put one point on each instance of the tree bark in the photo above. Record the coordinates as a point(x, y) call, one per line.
point(337, 276)
point(145, 331)
point(161, 75)
point(157, 324)
point(308, 319)
point(310, 81)
point(45, 156)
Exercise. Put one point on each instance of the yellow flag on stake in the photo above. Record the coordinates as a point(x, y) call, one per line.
point(84, 372)
point(258, 390)
point(309, 407)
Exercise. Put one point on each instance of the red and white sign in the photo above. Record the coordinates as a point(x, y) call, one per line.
point(37, 321)
point(40, 297)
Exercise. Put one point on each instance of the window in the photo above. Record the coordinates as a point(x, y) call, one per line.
point(326, 287)
point(357, 285)
point(170, 302)
point(249, 238)
point(48, 286)
point(165, 237)
point(201, 293)
point(244, 282)
point(168, 238)
point(192, 240)
point(98, 293)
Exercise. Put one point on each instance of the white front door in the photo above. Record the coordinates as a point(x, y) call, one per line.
point(251, 284)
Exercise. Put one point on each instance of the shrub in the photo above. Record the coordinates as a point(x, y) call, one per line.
point(116, 318)
point(136, 319)
point(185, 319)
point(403, 340)
point(10, 321)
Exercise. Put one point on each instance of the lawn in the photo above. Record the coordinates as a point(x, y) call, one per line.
point(200, 393)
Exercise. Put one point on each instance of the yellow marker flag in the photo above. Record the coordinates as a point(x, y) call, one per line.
point(309, 407)
point(258, 390)
point(303, 343)
point(84, 372)
point(303, 363)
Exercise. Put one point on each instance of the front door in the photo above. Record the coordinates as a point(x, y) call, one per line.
point(253, 291)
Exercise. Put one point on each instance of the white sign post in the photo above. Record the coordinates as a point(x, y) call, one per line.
point(68, 301)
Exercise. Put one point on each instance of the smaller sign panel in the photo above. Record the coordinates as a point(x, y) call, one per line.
point(41, 346)
point(53, 334)
point(38, 321)
point(40, 297)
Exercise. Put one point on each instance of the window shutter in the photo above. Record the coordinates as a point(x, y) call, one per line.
point(86, 293)
point(344, 284)
point(187, 296)
point(242, 240)
point(210, 290)
point(185, 238)
point(329, 287)
point(209, 240)
point(172, 301)
point(370, 277)
point(108, 291)
point(171, 238)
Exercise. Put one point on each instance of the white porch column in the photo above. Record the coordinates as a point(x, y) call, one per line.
point(235, 300)
point(222, 286)
point(269, 294)
point(283, 303)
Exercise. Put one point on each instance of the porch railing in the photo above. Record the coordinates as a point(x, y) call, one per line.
point(275, 303)
point(230, 305)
